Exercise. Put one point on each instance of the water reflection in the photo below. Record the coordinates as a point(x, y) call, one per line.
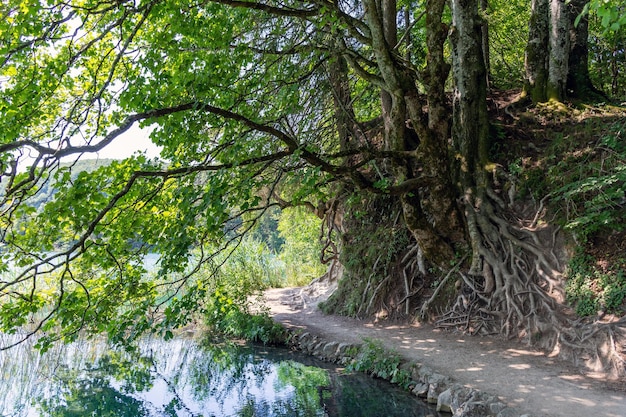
point(184, 378)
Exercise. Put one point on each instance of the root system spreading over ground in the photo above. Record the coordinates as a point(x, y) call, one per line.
point(553, 203)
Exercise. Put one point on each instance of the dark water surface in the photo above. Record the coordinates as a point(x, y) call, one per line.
point(182, 377)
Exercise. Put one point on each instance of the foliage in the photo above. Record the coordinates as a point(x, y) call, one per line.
point(369, 254)
point(607, 51)
point(592, 289)
point(611, 13)
point(266, 230)
point(231, 318)
point(582, 181)
point(232, 308)
point(594, 192)
point(250, 267)
point(507, 41)
point(373, 359)
point(301, 251)
point(252, 105)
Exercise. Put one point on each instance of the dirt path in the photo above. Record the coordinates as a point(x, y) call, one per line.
point(522, 378)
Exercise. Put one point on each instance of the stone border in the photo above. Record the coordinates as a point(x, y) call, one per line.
point(427, 384)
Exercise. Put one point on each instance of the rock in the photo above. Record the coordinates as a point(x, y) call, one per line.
point(345, 353)
point(428, 375)
point(507, 412)
point(496, 407)
point(439, 379)
point(329, 351)
point(414, 371)
point(444, 401)
point(434, 390)
point(460, 395)
point(472, 409)
point(316, 347)
point(421, 390)
point(302, 339)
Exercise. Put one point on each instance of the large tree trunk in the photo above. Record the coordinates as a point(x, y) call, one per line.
point(558, 47)
point(512, 284)
point(578, 80)
point(430, 212)
point(470, 119)
point(556, 58)
point(536, 59)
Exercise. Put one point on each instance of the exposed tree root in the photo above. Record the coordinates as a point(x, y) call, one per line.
point(395, 295)
point(514, 288)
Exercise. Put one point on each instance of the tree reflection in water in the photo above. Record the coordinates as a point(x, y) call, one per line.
point(187, 379)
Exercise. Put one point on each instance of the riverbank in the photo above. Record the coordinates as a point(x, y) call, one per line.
point(522, 378)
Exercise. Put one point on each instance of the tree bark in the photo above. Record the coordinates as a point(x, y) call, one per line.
point(559, 44)
point(536, 58)
point(470, 131)
point(578, 80)
point(484, 5)
point(556, 60)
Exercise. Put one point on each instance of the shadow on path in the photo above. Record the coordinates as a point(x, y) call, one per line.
point(523, 378)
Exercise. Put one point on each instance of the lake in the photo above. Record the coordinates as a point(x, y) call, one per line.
point(185, 377)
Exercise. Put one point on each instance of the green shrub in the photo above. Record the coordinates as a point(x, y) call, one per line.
point(252, 267)
point(593, 186)
point(373, 359)
point(232, 306)
point(231, 317)
point(301, 249)
point(591, 289)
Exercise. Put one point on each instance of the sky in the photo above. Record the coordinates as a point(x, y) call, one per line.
point(135, 139)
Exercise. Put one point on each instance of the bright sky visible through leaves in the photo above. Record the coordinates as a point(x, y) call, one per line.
point(127, 144)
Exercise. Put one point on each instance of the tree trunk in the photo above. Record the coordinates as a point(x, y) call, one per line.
point(556, 59)
point(484, 5)
point(430, 212)
point(536, 58)
point(344, 113)
point(578, 80)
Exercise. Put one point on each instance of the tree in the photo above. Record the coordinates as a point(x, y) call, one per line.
point(562, 29)
point(324, 105)
point(565, 65)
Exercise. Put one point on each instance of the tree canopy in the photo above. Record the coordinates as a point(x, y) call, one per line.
point(363, 108)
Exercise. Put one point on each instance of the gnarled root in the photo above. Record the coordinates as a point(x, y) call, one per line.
point(514, 287)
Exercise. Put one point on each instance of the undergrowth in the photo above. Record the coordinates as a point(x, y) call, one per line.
point(373, 359)
point(582, 172)
point(579, 171)
point(231, 317)
point(593, 289)
point(370, 251)
point(232, 305)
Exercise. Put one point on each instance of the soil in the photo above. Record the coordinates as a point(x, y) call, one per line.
point(528, 380)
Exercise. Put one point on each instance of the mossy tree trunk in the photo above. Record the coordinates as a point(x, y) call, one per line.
point(556, 60)
point(430, 210)
point(578, 80)
point(536, 59)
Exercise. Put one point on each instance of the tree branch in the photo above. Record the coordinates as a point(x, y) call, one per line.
point(277, 11)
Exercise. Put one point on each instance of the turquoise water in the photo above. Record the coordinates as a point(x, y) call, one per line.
point(182, 377)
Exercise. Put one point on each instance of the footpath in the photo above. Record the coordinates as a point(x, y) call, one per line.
point(522, 378)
